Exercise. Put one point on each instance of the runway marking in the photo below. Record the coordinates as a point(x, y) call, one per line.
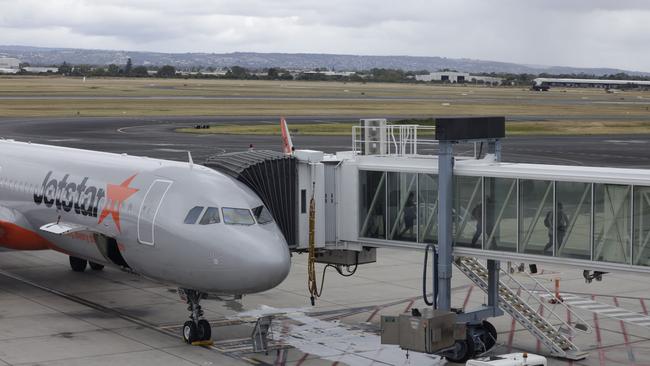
point(626, 141)
point(409, 305)
point(62, 140)
point(373, 314)
point(645, 310)
point(171, 150)
point(610, 311)
point(469, 293)
point(302, 359)
point(626, 338)
point(599, 339)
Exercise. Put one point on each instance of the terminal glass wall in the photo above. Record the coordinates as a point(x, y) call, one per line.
point(372, 204)
point(402, 206)
point(500, 214)
point(573, 220)
point(535, 216)
point(468, 211)
point(641, 240)
point(427, 208)
point(612, 223)
point(589, 221)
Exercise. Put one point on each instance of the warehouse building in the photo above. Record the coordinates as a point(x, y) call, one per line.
point(9, 65)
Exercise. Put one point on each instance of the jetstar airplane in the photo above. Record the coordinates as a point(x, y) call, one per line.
point(175, 222)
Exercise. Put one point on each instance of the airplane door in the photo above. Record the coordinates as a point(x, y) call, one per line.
point(149, 210)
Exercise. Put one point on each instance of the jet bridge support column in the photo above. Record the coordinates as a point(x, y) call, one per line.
point(445, 195)
point(493, 266)
point(470, 334)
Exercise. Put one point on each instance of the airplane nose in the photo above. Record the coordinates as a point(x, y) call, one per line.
point(268, 263)
point(277, 263)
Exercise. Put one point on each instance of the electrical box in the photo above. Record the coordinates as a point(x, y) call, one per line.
point(374, 136)
point(429, 332)
point(347, 257)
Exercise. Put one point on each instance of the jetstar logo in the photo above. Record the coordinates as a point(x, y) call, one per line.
point(82, 198)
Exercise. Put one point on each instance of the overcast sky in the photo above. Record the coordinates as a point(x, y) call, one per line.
point(585, 33)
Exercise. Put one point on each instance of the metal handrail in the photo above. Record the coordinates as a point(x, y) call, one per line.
point(536, 298)
point(588, 329)
point(399, 140)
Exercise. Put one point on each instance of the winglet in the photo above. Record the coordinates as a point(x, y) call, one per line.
point(287, 145)
point(191, 161)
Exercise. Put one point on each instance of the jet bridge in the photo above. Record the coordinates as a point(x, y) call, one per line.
point(386, 192)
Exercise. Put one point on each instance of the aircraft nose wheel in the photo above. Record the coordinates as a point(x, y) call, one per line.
point(195, 329)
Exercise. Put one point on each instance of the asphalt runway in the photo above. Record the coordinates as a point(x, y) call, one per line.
point(155, 137)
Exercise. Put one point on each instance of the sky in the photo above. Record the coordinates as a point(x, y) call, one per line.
point(580, 33)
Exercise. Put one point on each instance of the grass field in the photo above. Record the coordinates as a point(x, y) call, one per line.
point(512, 128)
point(568, 111)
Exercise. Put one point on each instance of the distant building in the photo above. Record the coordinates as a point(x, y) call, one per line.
point(330, 73)
point(38, 70)
point(458, 77)
point(486, 79)
point(9, 65)
point(448, 76)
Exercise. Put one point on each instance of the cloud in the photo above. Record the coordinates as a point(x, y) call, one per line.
point(596, 33)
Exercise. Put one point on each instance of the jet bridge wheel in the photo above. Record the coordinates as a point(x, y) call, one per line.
point(490, 335)
point(464, 350)
point(78, 264)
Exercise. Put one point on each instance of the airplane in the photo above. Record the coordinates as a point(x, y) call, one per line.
point(175, 222)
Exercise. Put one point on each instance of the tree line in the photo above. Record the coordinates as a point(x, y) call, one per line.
point(276, 73)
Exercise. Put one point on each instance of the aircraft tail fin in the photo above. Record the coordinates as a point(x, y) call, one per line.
point(287, 145)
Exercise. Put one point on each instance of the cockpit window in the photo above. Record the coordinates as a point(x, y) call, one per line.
point(193, 215)
point(262, 215)
point(211, 216)
point(237, 216)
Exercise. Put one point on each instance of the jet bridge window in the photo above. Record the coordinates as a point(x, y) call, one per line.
point(211, 216)
point(193, 215)
point(262, 215)
point(237, 216)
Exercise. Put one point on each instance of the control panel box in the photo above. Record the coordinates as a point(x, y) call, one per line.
point(429, 332)
point(346, 257)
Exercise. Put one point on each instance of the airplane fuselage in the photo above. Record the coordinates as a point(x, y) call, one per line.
point(137, 212)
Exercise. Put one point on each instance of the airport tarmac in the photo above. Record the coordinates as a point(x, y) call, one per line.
point(50, 315)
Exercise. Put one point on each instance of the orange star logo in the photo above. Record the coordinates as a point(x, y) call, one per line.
point(116, 195)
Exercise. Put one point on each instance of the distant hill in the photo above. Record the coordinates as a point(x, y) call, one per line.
point(54, 56)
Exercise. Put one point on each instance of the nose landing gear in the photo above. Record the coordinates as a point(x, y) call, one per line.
point(195, 329)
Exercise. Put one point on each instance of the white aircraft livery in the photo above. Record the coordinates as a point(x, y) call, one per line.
point(175, 222)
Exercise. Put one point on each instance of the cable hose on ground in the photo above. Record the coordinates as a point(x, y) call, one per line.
point(424, 276)
point(312, 285)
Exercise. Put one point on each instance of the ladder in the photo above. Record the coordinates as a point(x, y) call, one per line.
point(512, 302)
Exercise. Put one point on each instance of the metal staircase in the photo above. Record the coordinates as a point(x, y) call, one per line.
point(512, 302)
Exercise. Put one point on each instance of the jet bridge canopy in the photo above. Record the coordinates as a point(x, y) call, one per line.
point(270, 174)
point(591, 217)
